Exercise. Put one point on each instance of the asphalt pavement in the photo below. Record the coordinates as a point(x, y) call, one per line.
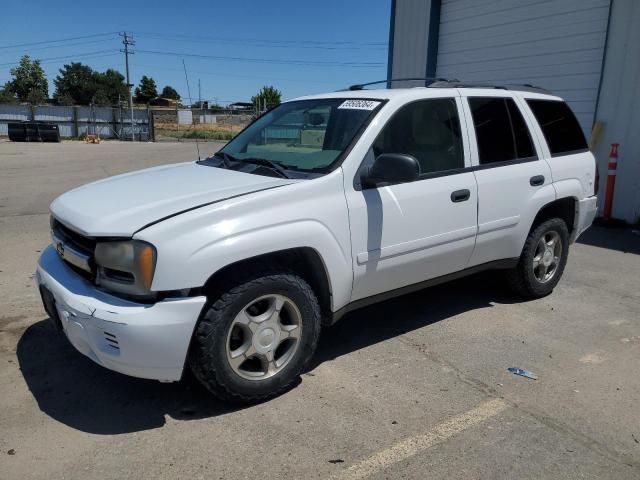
point(415, 387)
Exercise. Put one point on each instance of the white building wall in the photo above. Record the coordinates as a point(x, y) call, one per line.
point(557, 45)
point(619, 109)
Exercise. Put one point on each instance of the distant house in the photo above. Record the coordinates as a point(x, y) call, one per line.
point(164, 102)
point(203, 105)
point(241, 106)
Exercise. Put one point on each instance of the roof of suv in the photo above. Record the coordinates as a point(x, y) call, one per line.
point(431, 85)
point(392, 93)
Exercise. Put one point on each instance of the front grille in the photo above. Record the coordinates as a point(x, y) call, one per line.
point(79, 242)
point(86, 244)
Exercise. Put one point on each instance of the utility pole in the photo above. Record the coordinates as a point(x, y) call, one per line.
point(126, 41)
point(199, 96)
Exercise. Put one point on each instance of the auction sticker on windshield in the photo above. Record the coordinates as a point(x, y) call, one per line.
point(359, 104)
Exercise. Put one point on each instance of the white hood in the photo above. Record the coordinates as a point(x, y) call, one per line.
point(121, 205)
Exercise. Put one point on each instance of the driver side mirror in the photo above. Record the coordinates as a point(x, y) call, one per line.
point(391, 168)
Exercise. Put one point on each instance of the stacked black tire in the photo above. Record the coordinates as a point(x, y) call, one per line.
point(33, 132)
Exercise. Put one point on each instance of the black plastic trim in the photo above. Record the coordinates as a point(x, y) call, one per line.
point(504, 163)
point(364, 302)
point(460, 195)
point(570, 152)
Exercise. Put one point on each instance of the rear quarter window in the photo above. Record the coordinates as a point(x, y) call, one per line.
point(559, 126)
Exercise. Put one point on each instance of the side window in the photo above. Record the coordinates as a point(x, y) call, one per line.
point(501, 131)
point(429, 130)
point(559, 126)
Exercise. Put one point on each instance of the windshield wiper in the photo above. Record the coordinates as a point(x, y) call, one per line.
point(276, 167)
point(226, 158)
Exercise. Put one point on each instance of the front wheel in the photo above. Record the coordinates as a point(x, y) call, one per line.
point(542, 261)
point(254, 340)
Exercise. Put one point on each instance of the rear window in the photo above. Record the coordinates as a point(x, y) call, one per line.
point(501, 131)
point(559, 126)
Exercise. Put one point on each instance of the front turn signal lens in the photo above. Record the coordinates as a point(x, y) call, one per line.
point(146, 259)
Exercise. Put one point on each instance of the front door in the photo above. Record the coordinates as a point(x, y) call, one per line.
point(407, 233)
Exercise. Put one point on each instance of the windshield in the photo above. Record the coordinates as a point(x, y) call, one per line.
point(305, 135)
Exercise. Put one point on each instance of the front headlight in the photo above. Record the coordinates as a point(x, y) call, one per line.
point(125, 266)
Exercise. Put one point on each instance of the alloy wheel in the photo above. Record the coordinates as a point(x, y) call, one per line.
point(264, 336)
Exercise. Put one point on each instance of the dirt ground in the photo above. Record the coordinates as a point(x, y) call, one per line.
point(416, 387)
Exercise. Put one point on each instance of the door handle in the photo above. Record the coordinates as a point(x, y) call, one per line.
point(460, 195)
point(536, 180)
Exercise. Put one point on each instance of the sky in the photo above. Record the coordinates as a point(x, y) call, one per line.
point(233, 47)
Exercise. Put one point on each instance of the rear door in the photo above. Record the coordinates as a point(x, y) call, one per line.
point(514, 180)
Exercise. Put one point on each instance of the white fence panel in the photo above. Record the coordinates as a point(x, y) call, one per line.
point(76, 121)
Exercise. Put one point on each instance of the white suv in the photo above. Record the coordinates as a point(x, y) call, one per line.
point(322, 205)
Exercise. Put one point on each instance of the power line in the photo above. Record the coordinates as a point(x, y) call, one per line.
point(313, 63)
point(64, 57)
point(266, 43)
point(252, 77)
point(87, 56)
point(58, 41)
point(263, 41)
point(47, 47)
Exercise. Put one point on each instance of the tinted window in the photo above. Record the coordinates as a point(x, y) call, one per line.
point(559, 126)
point(429, 130)
point(501, 131)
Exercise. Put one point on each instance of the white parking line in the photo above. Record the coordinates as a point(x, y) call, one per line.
point(413, 445)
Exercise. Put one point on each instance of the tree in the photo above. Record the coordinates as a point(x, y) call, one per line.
point(79, 84)
point(29, 83)
point(7, 96)
point(112, 87)
point(146, 90)
point(170, 92)
point(75, 85)
point(270, 94)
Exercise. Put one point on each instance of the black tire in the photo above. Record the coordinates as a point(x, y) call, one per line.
point(208, 355)
point(522, 279)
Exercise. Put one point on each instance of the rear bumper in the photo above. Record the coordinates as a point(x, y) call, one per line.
point(587, 209)
point(146, 341)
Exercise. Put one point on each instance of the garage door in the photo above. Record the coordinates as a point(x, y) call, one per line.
point(556, 44)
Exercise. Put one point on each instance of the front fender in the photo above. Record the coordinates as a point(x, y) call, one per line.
point(312, 214)
point(305, 233)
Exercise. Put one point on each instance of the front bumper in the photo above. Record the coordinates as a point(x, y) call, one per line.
point(146, 341)
point(587, 209)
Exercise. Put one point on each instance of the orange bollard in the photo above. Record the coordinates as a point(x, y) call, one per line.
point(611, 180)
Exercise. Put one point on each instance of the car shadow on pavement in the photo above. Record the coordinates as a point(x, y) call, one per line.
point(74, 390)
point(623, 239)
point(392, 318)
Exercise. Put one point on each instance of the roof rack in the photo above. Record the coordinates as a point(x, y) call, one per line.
point(525, 87)
point(433, 82)
point(428, 81)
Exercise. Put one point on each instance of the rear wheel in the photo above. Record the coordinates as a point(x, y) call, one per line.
point(542, 261)
point(254, 340)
